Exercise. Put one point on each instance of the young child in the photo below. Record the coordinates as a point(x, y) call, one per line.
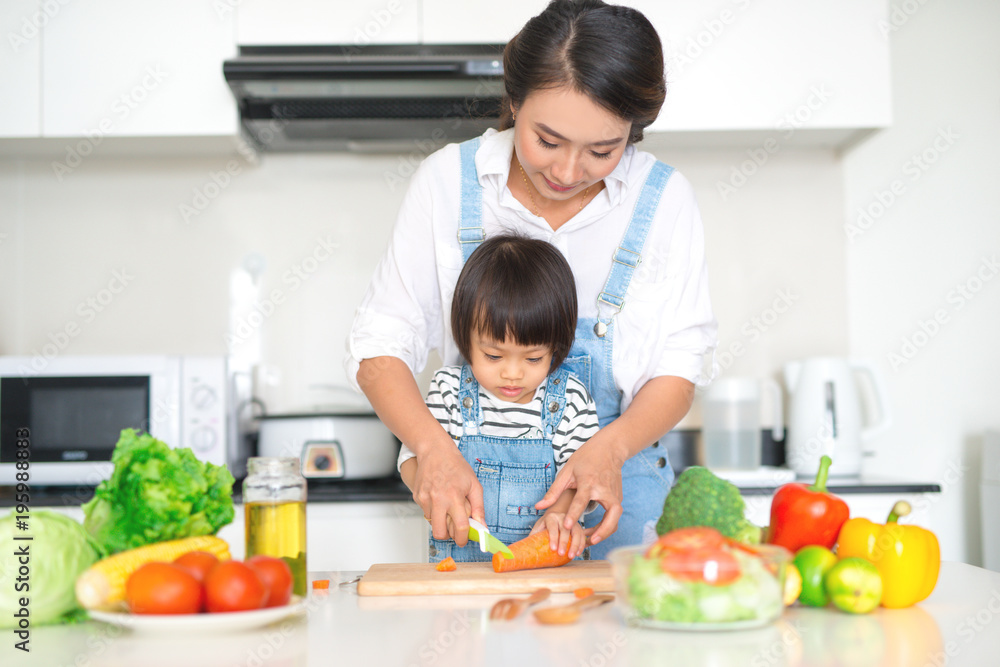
point(515, 415)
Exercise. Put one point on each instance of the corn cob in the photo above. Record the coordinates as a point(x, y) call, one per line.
point(102, 586)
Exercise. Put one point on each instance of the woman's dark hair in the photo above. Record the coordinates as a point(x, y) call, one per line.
point(516, 288)
point(610, 53)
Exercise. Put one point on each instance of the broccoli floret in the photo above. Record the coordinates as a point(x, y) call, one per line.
point(699, 498)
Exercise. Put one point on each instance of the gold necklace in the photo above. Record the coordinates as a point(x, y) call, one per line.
point(528, 187)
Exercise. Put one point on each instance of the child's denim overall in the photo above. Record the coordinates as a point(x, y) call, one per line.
point(515, 472)
point(647, 476)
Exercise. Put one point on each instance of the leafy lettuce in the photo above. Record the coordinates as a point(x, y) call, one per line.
point(157, 493)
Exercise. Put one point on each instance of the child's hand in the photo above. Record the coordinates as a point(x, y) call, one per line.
point(567, 542)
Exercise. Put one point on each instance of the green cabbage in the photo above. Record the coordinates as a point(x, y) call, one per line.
point(58, 552)
point(157, 493)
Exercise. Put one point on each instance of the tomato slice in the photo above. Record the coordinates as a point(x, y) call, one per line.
point(686, 539)
point(717, 567)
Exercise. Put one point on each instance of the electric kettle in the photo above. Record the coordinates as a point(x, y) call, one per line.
point(825, 414)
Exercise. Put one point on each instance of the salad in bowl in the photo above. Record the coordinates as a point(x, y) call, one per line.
point(697, 579)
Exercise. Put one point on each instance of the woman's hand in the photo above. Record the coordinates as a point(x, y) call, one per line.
point(448, 492)
point(595, 471)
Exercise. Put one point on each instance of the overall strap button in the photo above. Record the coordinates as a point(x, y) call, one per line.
point(467, 401)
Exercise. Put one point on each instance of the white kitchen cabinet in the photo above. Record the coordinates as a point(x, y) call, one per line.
point(453, 22)
point(21, 23)
point(777, 65)
point(270, 22)
point(352, 535)
point(781, 66)
point(122, 68)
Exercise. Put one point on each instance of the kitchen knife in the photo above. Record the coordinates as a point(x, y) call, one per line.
point(480, 533)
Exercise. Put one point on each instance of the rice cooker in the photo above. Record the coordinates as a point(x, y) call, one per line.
point(331, 445)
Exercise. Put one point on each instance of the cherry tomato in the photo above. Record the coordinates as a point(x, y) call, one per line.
point(682, 539)
point(233, 586)
point(198, 563)
point(717, 567)
point(276, 577)
point(163, 588)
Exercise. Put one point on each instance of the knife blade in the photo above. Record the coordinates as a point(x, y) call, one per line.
point(480, 533)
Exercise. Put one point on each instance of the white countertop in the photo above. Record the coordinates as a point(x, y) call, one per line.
point(958, 625)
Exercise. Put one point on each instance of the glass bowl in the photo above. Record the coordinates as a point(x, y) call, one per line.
point(727, 588)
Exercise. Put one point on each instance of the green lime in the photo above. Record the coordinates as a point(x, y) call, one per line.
point(854, 585)
point(813, 562)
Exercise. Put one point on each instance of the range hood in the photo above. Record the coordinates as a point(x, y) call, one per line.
point(365, 98)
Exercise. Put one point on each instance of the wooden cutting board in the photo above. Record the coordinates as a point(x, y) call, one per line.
point(480, 579)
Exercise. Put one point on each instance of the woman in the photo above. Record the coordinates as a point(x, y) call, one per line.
point(582, 81)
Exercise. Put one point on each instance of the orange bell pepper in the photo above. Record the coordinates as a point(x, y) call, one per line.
point(907, 557)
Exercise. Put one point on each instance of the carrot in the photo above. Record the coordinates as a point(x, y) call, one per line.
point(530, 553)
point(447, 565)
point(321, 584)
point(584, 592)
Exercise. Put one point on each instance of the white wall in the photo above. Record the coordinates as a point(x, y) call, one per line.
point(939, 231)
point(64, 239)
point(782, 232)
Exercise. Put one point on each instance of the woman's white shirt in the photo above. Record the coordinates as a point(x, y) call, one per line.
point(666, 326)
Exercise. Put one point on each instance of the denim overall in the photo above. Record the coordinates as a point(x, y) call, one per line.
point(515, 472)
point(647, 476)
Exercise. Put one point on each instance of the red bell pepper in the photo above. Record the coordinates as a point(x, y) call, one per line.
point(802, 515)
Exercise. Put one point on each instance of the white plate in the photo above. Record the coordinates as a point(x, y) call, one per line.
point(235, 620)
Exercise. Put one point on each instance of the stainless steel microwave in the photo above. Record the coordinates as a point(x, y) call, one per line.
point(64, 415)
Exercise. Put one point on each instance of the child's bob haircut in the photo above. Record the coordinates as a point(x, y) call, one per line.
point(517, 289)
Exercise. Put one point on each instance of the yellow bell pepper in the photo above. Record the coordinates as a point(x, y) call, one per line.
point(907, 557)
